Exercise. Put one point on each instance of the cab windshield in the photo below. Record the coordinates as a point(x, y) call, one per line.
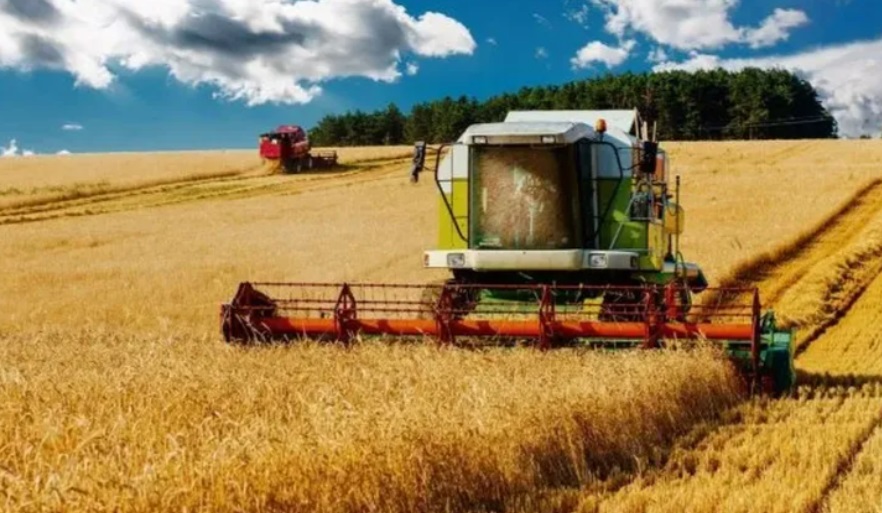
point(524, 197)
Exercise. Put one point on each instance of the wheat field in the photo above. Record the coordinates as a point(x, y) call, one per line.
point(191, 425)
point(117, 394)
point(40, 180)
point(781, 456)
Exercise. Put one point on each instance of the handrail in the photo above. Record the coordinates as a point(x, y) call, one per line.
point(447, 203)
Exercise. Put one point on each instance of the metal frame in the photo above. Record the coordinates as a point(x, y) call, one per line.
point(555, 316)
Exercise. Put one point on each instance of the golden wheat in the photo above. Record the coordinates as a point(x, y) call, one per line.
point(861, 490)
point(813, 453)
point(367, 154)
point(810, 283)
point(102, 422)
point(854, 345)
point(746, 199)
point(779, 456)
point(47, 178)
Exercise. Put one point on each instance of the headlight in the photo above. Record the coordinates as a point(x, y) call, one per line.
point(549, 139)
point(479, 139)
point(456, 260)
point(598, 261)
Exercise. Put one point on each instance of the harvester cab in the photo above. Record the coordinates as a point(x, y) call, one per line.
point(557, 227)
point(562, 198)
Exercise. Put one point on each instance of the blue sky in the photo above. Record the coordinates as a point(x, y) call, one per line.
point(116, 75)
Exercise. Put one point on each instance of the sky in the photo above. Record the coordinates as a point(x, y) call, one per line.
point(132, 75)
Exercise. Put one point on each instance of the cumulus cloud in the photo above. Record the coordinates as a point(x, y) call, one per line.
point(597, 52)
point(694, 24)
point(63, 152)
point(657, 55)
point(12, 150)
point(72, 127)
point(848, 79)
point(257, 51)
point(492, 41)
point(412, 68)
point(776, 28)
point(541, 53)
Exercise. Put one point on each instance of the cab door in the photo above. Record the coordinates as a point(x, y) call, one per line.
point(587, 180)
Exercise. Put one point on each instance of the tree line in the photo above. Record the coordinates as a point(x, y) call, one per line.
point(717, 104)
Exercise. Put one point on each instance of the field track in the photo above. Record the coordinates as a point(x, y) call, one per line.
point(783, 276)
point(246, 183)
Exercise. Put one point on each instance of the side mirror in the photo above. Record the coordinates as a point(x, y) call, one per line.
point(648, 158)
point(419, 161)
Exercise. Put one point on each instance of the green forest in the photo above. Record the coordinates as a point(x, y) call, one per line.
point(718, 104)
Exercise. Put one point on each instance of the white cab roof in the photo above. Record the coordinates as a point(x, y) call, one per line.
point(571, 131)
point(624, 120)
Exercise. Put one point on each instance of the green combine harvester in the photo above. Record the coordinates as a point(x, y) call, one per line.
point(557, 227)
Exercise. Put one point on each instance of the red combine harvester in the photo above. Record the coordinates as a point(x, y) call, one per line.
point(289, 146)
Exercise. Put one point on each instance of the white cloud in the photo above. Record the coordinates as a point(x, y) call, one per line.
point(694, 24)
point(72, 127)
point(542, 20)
point(776, 28)
point(657, 55)
point(412, 69)
point(12, 150)
point(541, 53)
point(433, 35)
point(848, 79)
point(257, 51)
point(596, 51)
point(63, 152)
point(492, 41)
point(578, 15)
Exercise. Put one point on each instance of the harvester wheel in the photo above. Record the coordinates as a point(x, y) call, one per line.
point(293, 166)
